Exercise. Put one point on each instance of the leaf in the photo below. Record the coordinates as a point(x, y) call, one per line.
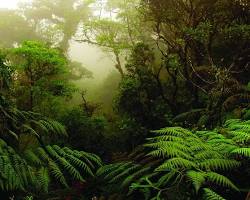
point(211, 195)
point(220, 180)
point(219, 163)
point(197, 178)
point(242, 151)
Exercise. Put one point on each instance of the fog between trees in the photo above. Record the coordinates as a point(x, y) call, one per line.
point(125, 100)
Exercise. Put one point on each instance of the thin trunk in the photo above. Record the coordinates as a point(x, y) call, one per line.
point(31, 85)
point(118, 65)
point(130, 31)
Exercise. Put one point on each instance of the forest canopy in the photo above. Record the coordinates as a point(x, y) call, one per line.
point(170, 120)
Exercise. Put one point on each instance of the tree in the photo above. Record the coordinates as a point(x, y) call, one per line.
point(116, 29)
point(41, 72)
point(28, 163)
point(14, 28)
point(80, 125)
point(56, 20)
point(141, 94)
point(200, 40)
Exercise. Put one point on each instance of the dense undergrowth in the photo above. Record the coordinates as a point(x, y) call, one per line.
point(182, 65)
point(192, 163)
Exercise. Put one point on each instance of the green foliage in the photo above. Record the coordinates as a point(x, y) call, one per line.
point(14, 170)
point(33, 165)
point(55, 30)
point(201, 158)
point(187, 68)
point(211, 195)
point(42, 73)
point(5, 72)
point(142, 82)
point(121, 174)
point(27, 160)
point(35, 168)
point(201, 33)
point(242, 151)
point(84, 131)
point(18, 123)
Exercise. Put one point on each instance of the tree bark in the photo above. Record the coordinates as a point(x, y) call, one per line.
point(118, 65)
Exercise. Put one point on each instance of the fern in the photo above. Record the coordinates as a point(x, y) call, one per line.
point(220, 180)
point(165, 179)
point(219, 164)
point(43, 179)
point(57, 173)
point(131, 178)
point(14, 170)
point(211, 195)
point(125, 173)
point(174, 131)
point(107, 168)
point(19, 173)
point(242, 151)
point(197, 178)
point(118, 170)
point(33, 158)
point(35, 167)
point(175, 163)
point(174, 155)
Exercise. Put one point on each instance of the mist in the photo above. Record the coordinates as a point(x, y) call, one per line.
point(124, 99)
point(93, 58)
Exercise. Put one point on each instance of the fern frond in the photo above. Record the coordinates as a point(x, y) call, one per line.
point(53, 126)
point(203, 155)
point(134, 176)
point(67, 165)
point(120, 168)
point(240, 136)
point(220, 180)
point(164, 152)
point(57, 173)
point(32, 158)
point(167, 178)
point(73, 160)
point(42, 154)
point(211, 195)
point(231, 122)
point(126, 172)
point(218, 164)
point(175, 163)
point(166, 144)
point(29, 129)
point(102, 171)
point(197, 178)
point(242, 151)
point(43, 179)
point(174, 131)
point(91, 158)
point(166, 138)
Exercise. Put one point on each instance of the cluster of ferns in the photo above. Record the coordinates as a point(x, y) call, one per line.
point(194, 163)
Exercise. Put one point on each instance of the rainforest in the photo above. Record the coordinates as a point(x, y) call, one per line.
point(124, 100)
